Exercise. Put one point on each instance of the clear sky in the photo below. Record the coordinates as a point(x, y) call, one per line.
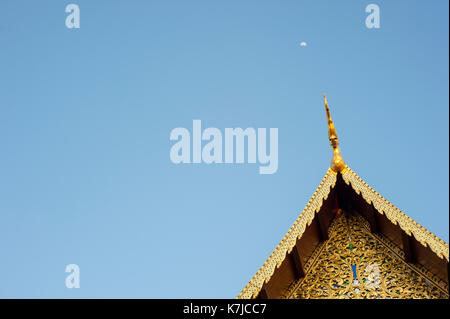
point(86, 114)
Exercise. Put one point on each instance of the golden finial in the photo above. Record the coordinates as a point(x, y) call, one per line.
point(337, 162)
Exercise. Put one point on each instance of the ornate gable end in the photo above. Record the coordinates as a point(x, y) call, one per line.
point(350, 242)
point(355, 264)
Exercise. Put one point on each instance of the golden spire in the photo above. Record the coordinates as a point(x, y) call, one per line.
point(337, 162)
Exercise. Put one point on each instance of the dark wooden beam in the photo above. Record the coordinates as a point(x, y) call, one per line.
point(263, 293)
point(297, 262)
point(448, 271)
point(407, 251)
point(371, 211)
point(322, 225)
point(339, 192)
point(336, 202)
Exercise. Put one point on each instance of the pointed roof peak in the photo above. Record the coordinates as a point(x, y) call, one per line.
point(337, 162)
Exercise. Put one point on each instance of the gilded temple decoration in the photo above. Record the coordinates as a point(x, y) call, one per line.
point(274, 261)
point(337, 162)
point(383, 206)
point(355, 264)
point(395, 215)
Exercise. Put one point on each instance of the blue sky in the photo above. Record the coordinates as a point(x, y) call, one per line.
point(85, 118)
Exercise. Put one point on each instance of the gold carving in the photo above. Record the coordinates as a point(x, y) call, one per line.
point(395, 215)
point(354, 264)
point(337, 162)
point(274, 261)
point(332, 279)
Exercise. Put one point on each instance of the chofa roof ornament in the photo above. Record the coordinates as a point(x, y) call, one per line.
point(337, 162)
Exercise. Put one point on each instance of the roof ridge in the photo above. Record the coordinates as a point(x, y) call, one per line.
point(395, 215)
point(381, 204)
point(285, 246)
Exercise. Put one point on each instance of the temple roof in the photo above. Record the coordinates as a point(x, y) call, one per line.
point(359, 186)
point(382, 205)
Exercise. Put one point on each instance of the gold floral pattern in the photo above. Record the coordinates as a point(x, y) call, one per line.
point(354, 264)
point(395, 215)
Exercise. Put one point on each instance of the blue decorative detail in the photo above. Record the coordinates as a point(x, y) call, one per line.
point(354, 271)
